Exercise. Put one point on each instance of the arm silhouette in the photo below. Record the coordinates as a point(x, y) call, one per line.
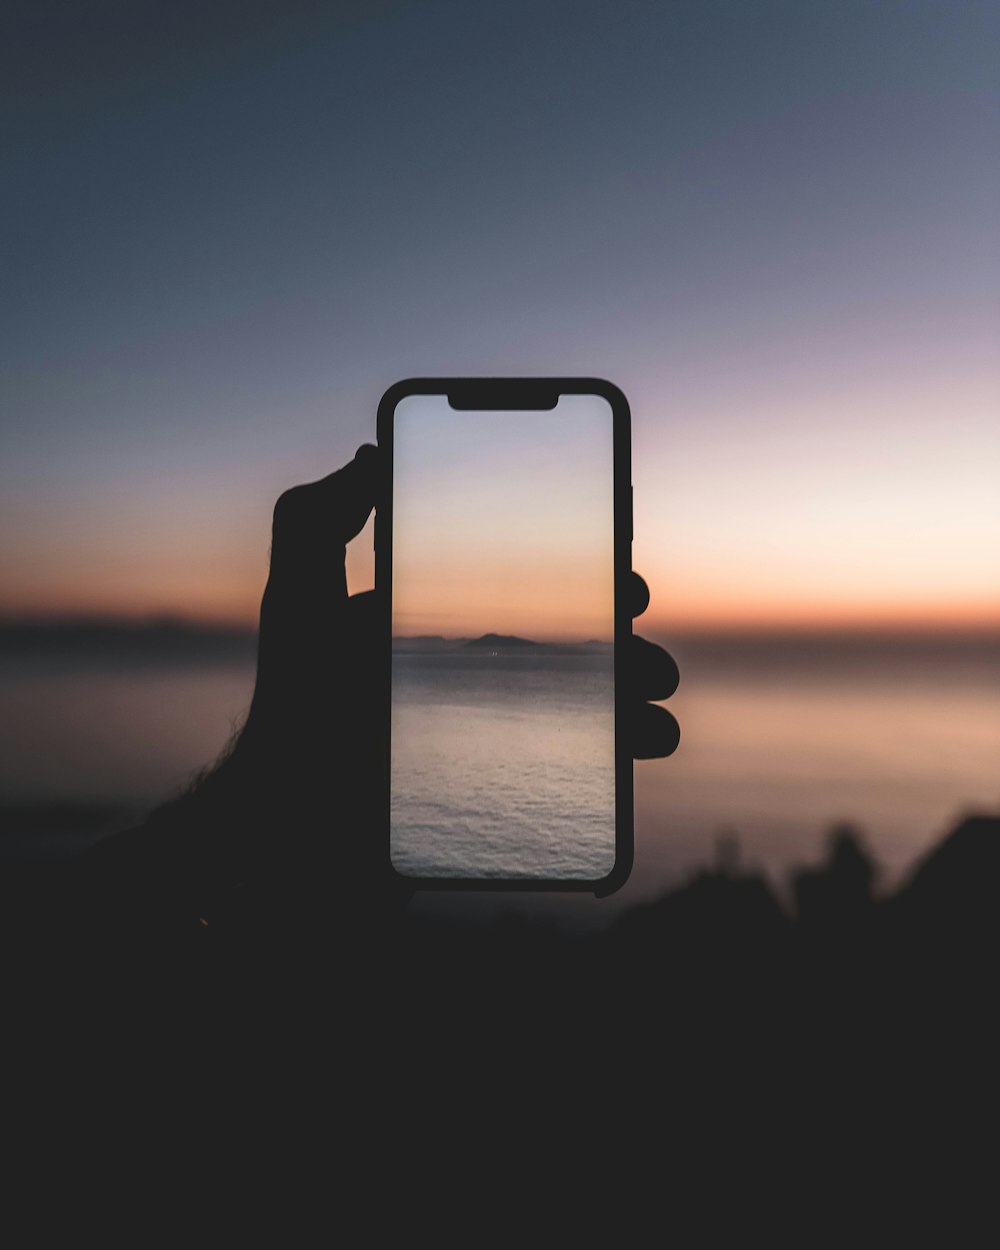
point(292, 807)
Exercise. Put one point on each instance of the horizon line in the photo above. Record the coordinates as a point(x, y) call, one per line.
point(746, 628)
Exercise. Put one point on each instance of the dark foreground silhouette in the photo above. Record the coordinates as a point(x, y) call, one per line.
point(232, 1001)
point(708, 1037)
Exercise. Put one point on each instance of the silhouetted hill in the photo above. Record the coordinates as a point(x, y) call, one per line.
point(501, 640)
point(949, 902)
point(853, 1035)
point(164, 639)
point(510, 642)
point(966, 864)
point(34, 831)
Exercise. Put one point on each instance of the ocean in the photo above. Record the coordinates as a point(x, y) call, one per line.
point(782, 740)
point(503, 761)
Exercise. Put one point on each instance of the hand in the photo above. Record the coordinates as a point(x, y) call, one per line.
point(286, 825)
point(315, 729)
point(294, 811)
point(316, 723)
point(319, 665)
point(653, 676)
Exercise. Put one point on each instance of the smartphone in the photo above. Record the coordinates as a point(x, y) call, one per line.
point(502, 558)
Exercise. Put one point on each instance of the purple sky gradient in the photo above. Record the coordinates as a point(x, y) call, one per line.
point(773, 225)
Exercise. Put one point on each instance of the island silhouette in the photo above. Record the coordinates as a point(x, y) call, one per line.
point(492, 641)
point(501, 640)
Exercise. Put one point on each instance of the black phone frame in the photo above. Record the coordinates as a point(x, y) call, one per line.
point(524, 393)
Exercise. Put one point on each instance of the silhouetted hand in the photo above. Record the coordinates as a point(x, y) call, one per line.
point(294, 811)
point(286, 825)
point(317, 715)
point(316, 721)
point(318, 660)
point(653, 676)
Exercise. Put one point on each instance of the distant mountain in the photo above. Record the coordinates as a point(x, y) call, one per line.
point(509, 644)
point(155, 640)
point(424, 644)
point(501, 640)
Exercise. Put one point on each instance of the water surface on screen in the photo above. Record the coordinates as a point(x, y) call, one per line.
point(503, 757)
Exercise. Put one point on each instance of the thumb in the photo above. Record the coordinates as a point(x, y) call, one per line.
point(313, 523)
point(305, 599)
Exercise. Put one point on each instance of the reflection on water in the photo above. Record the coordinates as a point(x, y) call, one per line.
point(776, 744)
point(503, 764)
point(782, 738)
point(133, 732)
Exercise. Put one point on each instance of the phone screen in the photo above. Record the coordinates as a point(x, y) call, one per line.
point(503, 762)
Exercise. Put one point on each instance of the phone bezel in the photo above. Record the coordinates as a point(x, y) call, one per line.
point(521, 393)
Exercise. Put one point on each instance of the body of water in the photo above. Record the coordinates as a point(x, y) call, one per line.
point(503, 763)
point(779, 743)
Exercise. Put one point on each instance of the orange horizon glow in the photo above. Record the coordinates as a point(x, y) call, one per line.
point(199, 604)
point(230, 598)
point(481, 606)
point(810, 615)
point(502, 521)
point(960, 620)
point(804, 530)
point(897, 623)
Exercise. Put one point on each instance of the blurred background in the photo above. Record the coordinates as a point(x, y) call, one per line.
point(230, 227)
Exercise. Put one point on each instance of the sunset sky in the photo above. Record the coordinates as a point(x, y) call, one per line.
point(229, 228)
point(503, 522)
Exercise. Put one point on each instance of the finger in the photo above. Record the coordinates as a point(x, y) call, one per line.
point(655, 733)
point(311, 520)
point(349, 493)
point(653, 674)
point(638, 595)
point(307, 581)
